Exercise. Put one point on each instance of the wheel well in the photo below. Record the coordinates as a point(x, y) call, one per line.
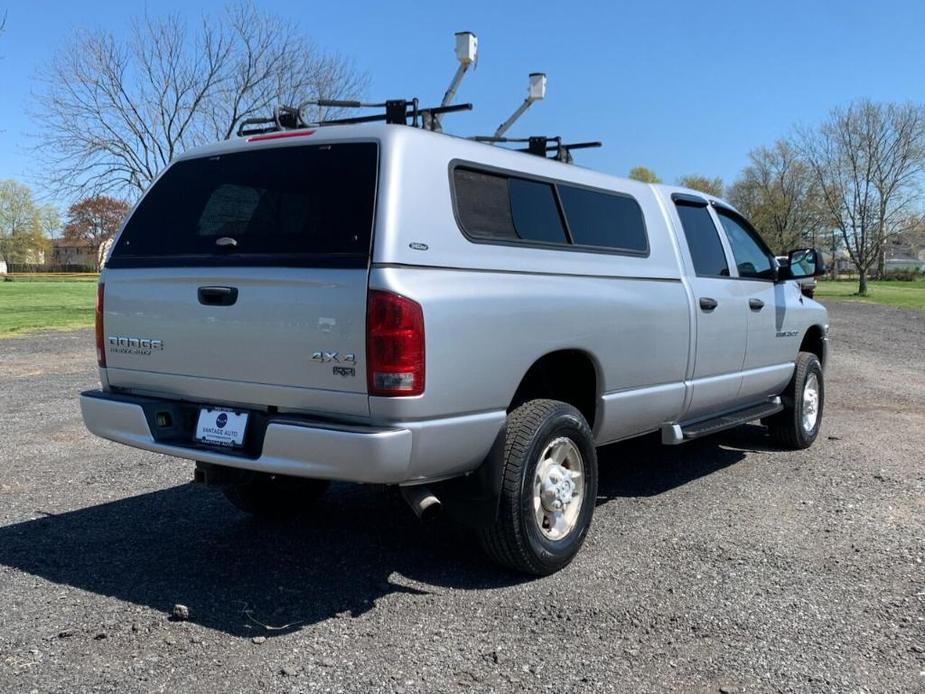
point(813, 342)
point(568, 375)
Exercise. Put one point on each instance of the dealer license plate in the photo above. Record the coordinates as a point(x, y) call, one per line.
point(221, 427)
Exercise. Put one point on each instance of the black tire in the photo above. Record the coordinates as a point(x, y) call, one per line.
point(274, 496)
point(786, 428)
point(515, 539)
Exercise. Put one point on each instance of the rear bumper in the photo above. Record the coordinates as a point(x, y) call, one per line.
point(301, 447)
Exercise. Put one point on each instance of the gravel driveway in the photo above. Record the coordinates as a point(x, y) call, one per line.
point(722, 565)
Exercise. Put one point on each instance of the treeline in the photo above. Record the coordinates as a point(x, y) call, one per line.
point(116, 110)
point(851, 184)
point(28, 229)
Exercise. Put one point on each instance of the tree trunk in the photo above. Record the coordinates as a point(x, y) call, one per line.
point(862, 281)
point(881, 263)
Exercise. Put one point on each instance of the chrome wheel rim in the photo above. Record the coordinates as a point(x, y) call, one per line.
point(558, 488)
point(810, 403)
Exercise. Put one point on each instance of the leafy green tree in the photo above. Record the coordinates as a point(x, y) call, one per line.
point(641, 173)
point(24, 226)
point(710, 186)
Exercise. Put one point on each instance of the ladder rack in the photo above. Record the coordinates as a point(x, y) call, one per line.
point(408, 112)
point(541, 145)
point(396, 112)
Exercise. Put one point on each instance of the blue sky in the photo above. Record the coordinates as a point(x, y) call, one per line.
point(681, 87)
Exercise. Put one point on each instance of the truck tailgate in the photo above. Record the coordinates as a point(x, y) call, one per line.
point(294, 328)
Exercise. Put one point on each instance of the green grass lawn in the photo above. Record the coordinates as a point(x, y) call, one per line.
point(46, 305)
point(66, 304)
point(893, 293)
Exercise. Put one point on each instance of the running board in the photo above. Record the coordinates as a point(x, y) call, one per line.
point(673, 434)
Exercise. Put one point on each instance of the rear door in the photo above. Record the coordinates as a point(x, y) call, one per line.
point(247, 272)
point(720, 318)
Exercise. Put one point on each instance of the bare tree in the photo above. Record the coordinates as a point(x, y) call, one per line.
point(777, 191)
point(117, 111)
point(867, 160)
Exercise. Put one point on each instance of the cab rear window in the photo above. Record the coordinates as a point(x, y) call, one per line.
point(290, 206)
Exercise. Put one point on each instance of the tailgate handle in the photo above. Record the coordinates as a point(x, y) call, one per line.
point(218, 296)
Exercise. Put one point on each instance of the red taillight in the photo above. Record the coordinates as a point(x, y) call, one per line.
point(394, 345)
point(100, 343)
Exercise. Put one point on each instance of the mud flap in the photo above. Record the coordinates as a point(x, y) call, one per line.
point(472, 500)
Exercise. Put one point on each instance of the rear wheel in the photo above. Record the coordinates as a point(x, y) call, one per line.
point(549, 487)
point(274, 495)
point(797, 426)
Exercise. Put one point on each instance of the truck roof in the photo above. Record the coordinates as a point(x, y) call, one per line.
point(469, 150)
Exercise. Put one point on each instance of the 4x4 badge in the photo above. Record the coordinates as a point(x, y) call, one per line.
point(327, 357)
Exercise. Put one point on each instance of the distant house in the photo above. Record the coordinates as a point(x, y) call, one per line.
point(906, 247)
point(895, 264)
point(71, 252)
point(843, 262)
point(2, 266)
point(905, 252)
point(32, 256)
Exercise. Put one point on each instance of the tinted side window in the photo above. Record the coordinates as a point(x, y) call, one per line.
point(484, 205)
point(750, 257)
point(703, 241)
point(536, 214)
point(599, 219)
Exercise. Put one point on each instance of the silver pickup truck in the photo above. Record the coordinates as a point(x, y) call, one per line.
point(385, 304)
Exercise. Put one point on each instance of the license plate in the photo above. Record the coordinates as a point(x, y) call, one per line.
point(221, 427)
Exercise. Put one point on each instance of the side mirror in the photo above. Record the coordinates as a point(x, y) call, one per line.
point(802, 263)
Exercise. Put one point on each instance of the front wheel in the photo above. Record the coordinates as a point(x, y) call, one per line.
point(797, 426)
point(549, 488)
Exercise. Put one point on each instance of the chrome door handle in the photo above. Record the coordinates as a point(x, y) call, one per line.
point(708, 304)
point(755, 304)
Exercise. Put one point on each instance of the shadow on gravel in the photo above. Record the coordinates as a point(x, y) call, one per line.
point(187, 545)
point(643, 467)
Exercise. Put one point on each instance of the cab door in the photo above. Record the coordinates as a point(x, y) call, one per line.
point(719, 314)
point(769, 350)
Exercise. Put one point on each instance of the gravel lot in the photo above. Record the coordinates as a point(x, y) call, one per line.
point(723, 565)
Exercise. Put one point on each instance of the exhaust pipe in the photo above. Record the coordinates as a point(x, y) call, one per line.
point(422, 501)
